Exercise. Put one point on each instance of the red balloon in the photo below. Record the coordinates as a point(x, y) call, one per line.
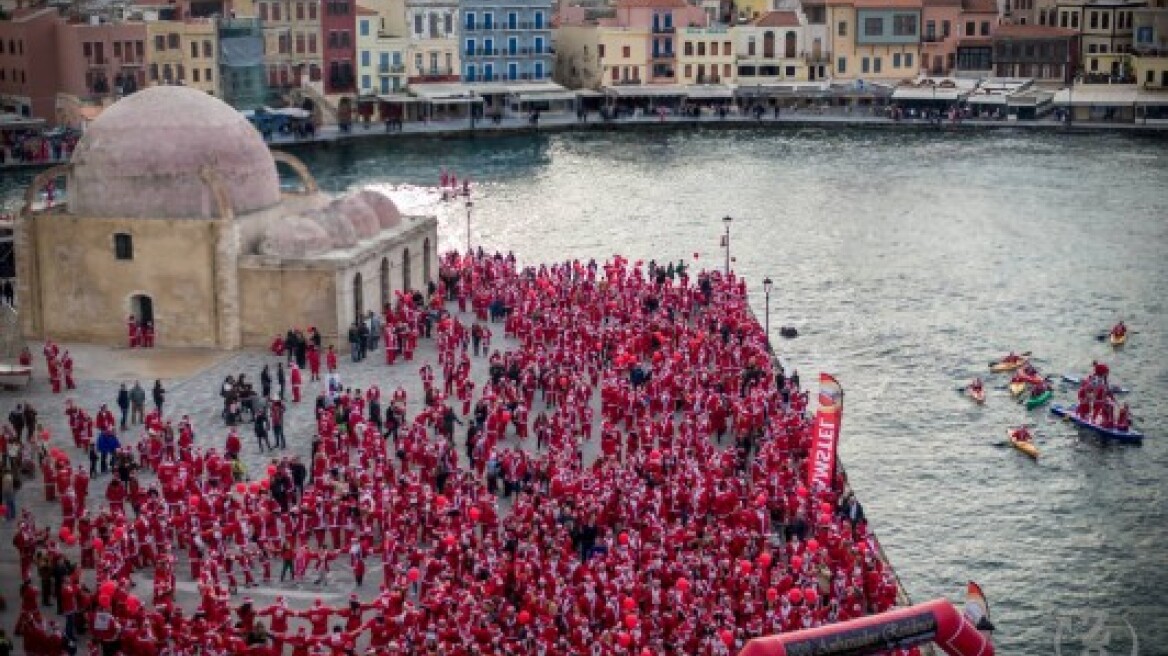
point(826, 508)
point(862, 547)
point(241, 487)
point(624, 639)
point(104, 601)
point(655, 454)
point(795, 595)
point(65, 533)
point(413, 574)
point(646, 652)
point(440, 501)
point(764, 560)
point(631, 621)
point(524, 617)
point(801, 491)
point(810, 595)
point(760, 500)
point(727, 637)
point(796, 562)
point(744, 567)
point(449, 541)
point(98, 545)
point(194, 500)
point(475, 514)
point(683, 585)
point(813, 545)
point(133, 604)
point(772, 594)
point(628, 603)
point(623, 539)
point(107, 587)
point(271, 470)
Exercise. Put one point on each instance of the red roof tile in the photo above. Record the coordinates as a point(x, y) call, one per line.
point(1032, 32)
point(887, 4)
point(661, 4)
point(777, 19)
point(980, 6)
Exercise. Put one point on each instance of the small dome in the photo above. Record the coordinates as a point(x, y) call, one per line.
point(142, 157)
point(387, 213)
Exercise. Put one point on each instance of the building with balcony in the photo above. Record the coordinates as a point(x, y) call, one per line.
point(506, 40)
point(28, 64)
point(975, 54)
point(1042, 52)
point(1149, 57)
point(101, 60)
point(942, 19)
point(432, 28)
point(773, 49)
point(1106, 35)
point(381, 58)
point(183, 52)
point(876, 39)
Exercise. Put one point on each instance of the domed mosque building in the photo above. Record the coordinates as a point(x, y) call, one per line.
point(174, 214)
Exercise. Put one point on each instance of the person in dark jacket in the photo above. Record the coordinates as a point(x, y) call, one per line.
point(124, 405)
point(262, 426)
point(159, 395)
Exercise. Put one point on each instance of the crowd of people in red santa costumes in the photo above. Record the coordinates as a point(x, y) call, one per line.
point(667, 543)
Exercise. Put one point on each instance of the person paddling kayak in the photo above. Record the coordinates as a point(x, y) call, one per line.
point(1123, 421)
point(1022, 434)
point(976, 386)
point(1119, 330)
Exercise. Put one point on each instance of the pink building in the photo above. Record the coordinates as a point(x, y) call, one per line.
point(661, 19)
point(28, 63)
point(98, 59)
point(941, 21)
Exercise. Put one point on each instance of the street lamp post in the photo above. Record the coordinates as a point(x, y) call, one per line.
point(767, 284)
point(726, 240)
point(469, 204)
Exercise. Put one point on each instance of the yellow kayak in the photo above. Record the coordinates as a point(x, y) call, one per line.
point(1016, 389)
point(1022, 445)
point(1002, 367)
point(1117, 340)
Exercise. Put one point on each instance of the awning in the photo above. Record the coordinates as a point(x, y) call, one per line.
point(460, 100)
point(589, 93)
point(989, 99)
point(929, 93)
point(561, 96)
point(704, 92)
point(647, 91)
point(1101, 95)
point(398, 98)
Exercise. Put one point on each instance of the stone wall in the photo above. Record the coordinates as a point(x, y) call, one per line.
point(84, 293)
point(274, 299)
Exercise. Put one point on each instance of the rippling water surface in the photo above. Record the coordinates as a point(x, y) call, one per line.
point(907, 261)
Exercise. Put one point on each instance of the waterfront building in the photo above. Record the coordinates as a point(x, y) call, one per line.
point(975, 53)
point(432, 28)
point(707, 55)
point(1042, 52)
point(1106, 35)
point(381, 57)
point(99, 60)
point(293, 52)
point(506, 40)
point(183, 52)
point(173, 171)
point(773, 49)
point(939, 38)
point(876, 39)
point(29, 76)
point(338, 25)
point(1150, 48)
point(242, 70)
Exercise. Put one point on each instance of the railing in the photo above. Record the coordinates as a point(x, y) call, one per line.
point(387, 69)
point(668, 54)
point(664, 29)
point(932, 38)
point(635, 81)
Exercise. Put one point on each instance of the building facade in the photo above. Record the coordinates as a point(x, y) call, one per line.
point(381, 58)
point(940, 36)
point(975, 53)
point(432, 29)
point(506, 40)
point(773, 49)
point(339, 35)
point(243, 73)
point(100, 60)
point(293, 47)
point(29, 76)
point(183, 52)
point(1045, 53)
point(707, 56)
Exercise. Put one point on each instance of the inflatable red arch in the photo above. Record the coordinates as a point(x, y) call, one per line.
point(937, 621)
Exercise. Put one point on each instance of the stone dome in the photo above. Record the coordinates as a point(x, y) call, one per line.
point(142, 157)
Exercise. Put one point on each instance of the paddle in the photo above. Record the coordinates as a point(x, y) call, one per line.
point(1108, 334)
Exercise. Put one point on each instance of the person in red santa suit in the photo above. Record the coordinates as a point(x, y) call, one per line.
point(313, 355)
point(148, 335)
point(297, 381)
point(133, 335)
point(67, 370)
point(330, 359)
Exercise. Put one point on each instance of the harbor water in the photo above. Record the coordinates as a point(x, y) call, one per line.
point(907, 260)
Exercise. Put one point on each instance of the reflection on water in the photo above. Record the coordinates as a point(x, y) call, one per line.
point(907, 260)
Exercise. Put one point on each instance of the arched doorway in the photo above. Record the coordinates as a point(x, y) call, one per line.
point(426, 261)
point(384, 282)
point(406, 270)
point(789, 43)
point(142, 307)
point(358, 298)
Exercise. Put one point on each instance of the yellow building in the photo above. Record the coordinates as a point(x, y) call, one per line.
point(706, 56)
point(381, 58)
point(293, 50)
point(1151, 70)
point(876, 39)
point(593, 57)
point(752, 10)
point(841, 28)
point(772, 49)
point(183, 52)
point(1105, 35)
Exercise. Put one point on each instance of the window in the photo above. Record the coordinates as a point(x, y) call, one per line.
point(750, 47)
point(419, 24)
point(985, 28)
point(873, 26)
point(194, 75)
point(207, 76)
point(1042, 17)
point(790, 71)
point(904, 25)
point(688, 49)
point(688, 71)
point(275, 11)
point(714, 49)
point(159, 44)
point(841, 65)
point(864, 65)
point(627, 52)
point(1105, 22)
point(908, 60)
point(1094, 20)
point(876, 64)
point(118, 49)
point(930, 30)
point(842, 29)
point(207, 49)
point(87, 49)
point(312, 43)
point(194, 49)
point(418, 62)
point(364, 27)
point(1074, 21)
point(154, 72)
point(263, 11)
point(366, 59)
point(139, 50)
point(366, 82)
point(300, 44)
point(311, 11)
point(701, 48)
point(896, 60)
point(123, 246)
point(969, 28)
point(600, 51)
point(944, 29)
point(449, 23)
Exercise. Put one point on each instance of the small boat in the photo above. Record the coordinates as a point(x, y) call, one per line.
point(977, 395)
point(1036, 401)
point(1075, 380)
point(1002, 366)
point(14, 376)
point(1025, 446)
point(1117, 340)
point(1017, 387)
point(1106, 433)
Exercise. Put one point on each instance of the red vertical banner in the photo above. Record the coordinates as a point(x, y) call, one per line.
point(825, 434)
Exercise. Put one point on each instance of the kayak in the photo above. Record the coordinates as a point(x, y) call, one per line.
point(1107, 433)
point(1016, 388)
point(1117, 340)
point(1035, 401)
point(978, 396)
point(1022, 445)
point(1002, 366)
point(1075, 380)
